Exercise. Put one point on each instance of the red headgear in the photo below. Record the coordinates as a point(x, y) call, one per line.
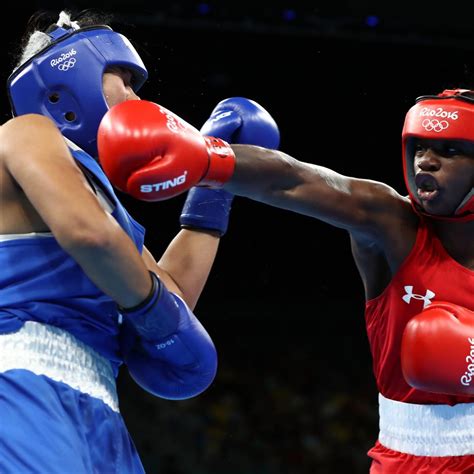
point(446, 116)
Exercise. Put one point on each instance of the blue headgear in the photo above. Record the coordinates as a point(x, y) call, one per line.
point(64, 80)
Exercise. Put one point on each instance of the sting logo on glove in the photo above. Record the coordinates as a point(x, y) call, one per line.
point(169, 183)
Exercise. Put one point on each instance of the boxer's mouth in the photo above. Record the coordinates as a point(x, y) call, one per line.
point(427, 188)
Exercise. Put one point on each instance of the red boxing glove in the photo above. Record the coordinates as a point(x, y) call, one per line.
point(150, 153)
point(437, 351)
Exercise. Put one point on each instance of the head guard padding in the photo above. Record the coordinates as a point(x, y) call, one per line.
point(64, 80)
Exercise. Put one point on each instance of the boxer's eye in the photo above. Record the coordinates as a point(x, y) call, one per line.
point(448, 150)
point(419, 150)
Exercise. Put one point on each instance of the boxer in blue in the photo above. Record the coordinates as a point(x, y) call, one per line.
point(80, 294)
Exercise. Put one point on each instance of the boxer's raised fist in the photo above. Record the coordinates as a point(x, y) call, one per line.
point(152, 154)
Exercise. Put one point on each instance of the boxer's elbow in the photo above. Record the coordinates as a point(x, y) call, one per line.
point(85, 234)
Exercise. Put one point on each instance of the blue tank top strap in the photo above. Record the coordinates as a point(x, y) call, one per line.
point(94, 171)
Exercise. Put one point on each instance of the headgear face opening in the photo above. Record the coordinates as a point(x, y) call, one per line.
point(64, 80)
point(446, 116)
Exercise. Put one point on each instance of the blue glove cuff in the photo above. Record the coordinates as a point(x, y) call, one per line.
point(158, 316)
point(207, 208)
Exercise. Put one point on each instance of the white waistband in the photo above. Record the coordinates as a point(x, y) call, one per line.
point(427, 430)
point(55, 353)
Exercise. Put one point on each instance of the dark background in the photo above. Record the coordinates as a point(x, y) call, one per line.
point(284, 304)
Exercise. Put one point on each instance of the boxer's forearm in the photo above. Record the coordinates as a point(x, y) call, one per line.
point(110, 259)
point(277, 179)
point(261, 173)
point(185, 265)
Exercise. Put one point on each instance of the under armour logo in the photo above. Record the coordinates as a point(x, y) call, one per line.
point(407, 297)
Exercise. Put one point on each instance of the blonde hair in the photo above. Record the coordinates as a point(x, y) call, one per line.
point(39, 40)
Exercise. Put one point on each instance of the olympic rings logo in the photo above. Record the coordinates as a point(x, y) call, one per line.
point(434, 125)
point(68, 64)
point(64, 61)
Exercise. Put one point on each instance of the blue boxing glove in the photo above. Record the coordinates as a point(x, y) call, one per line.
point(235, 120)
point(166, 349)
point(240, 120)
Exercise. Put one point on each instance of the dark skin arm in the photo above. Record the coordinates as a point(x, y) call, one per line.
point(380, 222)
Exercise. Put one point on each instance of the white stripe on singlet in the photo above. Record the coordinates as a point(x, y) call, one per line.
point(427, 430)
point(31, 235)
point(57, 354)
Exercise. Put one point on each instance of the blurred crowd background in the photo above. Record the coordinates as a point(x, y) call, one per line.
point(284, 304)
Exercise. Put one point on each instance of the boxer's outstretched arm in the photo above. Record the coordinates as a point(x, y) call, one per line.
point(361, 206)
point(277, 179)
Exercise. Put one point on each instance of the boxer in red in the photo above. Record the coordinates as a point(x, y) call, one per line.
point(415, 255)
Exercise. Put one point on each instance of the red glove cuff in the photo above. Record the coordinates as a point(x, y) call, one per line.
point(221, 162)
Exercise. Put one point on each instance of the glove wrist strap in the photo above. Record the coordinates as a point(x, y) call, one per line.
point(221, 162)
point(157, 316)
point(207, 209)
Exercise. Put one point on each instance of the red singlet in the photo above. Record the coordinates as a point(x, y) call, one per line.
point(410, 430)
